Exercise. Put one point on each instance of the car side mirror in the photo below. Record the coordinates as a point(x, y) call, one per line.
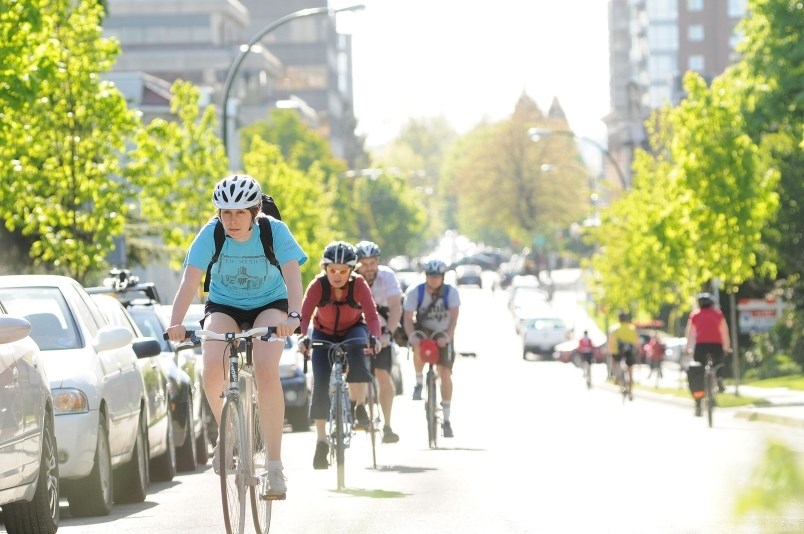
point(13, 329)
point(147, 347)
point(112, 337)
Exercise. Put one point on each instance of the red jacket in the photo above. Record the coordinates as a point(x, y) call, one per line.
point(334, 319)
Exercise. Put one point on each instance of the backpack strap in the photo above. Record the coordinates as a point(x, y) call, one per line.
point(266, 237)
point(326, 292)
point(421, 295)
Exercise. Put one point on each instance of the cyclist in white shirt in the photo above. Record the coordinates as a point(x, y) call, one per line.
point(388, 297)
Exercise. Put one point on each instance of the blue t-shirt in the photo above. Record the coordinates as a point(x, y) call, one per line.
point(243, 277)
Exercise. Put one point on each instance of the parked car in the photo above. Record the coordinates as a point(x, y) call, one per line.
point(469, 274)
point(160, 394)
point(97, 390)
point(179, 372)
point(29, 467)
point(541, 335)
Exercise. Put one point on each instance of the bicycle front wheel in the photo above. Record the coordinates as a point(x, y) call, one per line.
point(709, 397)
point(260, 508)
point(231, 448)
point(340, 406)
point(430, 410)
point(372, 413)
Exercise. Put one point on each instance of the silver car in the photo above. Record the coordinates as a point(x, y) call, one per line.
point(98, 393)
point(29, 470)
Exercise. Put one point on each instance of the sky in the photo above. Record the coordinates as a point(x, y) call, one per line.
point(470, 60)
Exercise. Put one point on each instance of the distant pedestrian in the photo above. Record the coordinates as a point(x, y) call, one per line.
point(654, 350)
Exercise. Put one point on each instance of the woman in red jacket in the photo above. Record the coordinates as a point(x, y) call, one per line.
point(707, 335)
point(341, 306)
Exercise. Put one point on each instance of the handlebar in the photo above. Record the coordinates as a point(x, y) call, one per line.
point(194, 337)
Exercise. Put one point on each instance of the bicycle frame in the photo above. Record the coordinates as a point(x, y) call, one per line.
point(431, 408)
point(710, 383)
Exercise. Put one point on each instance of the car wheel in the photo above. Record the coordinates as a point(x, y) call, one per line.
point(92, 496)
point(185, 454)
point(163, 468)
point(131, 480)
point(202, 441)
point(42, 513)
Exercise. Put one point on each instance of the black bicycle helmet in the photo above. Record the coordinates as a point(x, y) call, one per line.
point(705, 299)
point(340, 252)
point(368, 249)
point(624, 317)
point(238, 191)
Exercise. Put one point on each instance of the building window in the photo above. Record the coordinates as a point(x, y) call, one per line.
point(695, 32)
point(695, 5)
point(662, 10)
point(696, 63)
point(737, 8)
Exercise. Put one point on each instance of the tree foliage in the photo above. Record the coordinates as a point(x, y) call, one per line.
point(64, 136)
point(174, 167)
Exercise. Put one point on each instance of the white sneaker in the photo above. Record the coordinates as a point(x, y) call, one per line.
point(216, 460)
point(276, 482)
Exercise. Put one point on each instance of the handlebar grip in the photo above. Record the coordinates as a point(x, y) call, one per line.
point(189, 334)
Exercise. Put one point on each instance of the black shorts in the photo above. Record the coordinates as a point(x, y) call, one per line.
point(587, 357)
point(702, 349)
point(243, 317)
point(630, 358)
point(382, 360)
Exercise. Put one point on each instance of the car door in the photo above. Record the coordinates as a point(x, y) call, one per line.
point(123, 387)
point(12, 409)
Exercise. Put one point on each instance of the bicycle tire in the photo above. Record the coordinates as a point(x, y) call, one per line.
point(372, 428)
point(233, 483)
point(340, 436)
point(709, 396)
point(260, 508)
point(430, 410)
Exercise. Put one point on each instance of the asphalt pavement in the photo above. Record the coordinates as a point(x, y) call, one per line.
point(782, 405)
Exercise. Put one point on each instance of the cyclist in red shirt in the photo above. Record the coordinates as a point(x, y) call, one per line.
point(707, 334)
point(341, 307)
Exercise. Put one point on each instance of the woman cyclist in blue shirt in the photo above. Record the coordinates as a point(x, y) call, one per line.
point(244, 288)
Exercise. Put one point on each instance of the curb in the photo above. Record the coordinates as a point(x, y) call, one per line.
point(765, 417)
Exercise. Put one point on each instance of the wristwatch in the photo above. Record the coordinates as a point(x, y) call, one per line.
point(294, 315)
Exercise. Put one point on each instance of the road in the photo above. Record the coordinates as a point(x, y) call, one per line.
point(534, 452)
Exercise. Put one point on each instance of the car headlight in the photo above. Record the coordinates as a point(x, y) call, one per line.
point(69, 401)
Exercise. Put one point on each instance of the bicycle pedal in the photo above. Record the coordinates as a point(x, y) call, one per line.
point(270, 497)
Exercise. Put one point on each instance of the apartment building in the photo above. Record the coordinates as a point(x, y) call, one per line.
point(652, 44)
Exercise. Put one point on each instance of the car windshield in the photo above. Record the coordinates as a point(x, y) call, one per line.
point(52, 323)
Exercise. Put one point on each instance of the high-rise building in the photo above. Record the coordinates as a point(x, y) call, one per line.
point(652, 44)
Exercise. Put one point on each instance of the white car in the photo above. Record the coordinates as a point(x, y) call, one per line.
point(97, 391)
point(542, 334)
point(29, 469)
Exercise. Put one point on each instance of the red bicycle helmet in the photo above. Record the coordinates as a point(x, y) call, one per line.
point(428, 350)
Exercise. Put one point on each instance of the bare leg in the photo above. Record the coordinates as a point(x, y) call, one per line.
point(386, 393)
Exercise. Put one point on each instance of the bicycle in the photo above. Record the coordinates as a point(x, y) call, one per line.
point(240, 432)
point(586, 366)
point(625, 380)
point(710, 383)
point(340, 424)
point(429, 351)
point(372, 401)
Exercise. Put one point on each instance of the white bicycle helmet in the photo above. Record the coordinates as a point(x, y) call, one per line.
point(340, 252)
point(435, 267)
point(368, 249)
point(238, 191)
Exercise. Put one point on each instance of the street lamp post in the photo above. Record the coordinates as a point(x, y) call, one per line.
point(246, 49)
point(536, 133)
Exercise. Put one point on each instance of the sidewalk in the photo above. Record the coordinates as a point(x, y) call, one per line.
point(785, 406)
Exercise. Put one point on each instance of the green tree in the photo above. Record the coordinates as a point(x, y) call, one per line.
point(65, 137)
point(174, 166)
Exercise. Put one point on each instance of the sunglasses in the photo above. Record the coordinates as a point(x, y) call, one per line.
point(343, 271)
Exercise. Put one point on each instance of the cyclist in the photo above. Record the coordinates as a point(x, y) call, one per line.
point(586, 349)
point(244, 288)
point(622, 343)
point(388, 297)
point(340, 304)
point(436, 310)
point(707, 334)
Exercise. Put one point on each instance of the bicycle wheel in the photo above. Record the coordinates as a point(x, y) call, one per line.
point(372, 428)
point(430, 410)
point(340, 406)
point(709, 396)
point(233, 478)
point(260, 508)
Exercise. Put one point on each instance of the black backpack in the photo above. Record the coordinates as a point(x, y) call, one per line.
point(269, 209)
point(326, 293)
